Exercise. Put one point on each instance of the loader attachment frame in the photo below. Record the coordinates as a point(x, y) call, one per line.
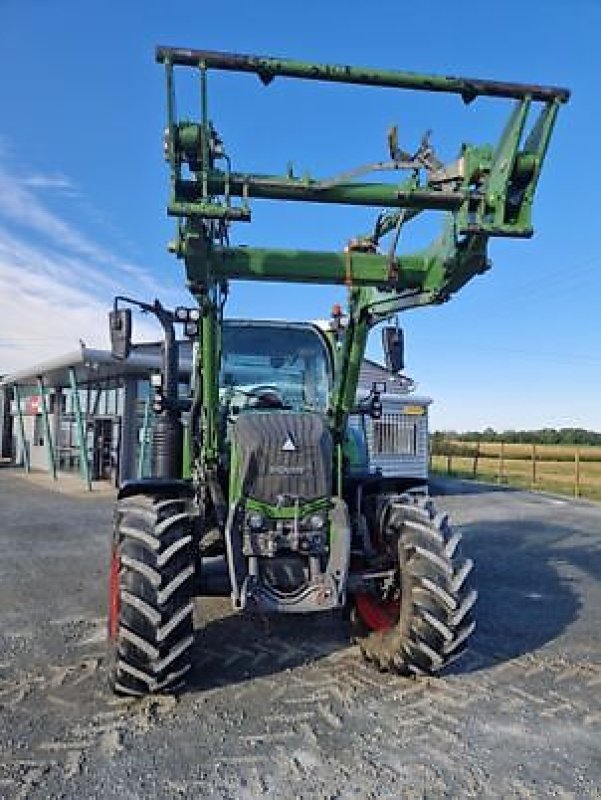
point(487, 192)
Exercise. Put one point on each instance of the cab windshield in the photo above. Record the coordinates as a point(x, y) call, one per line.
point(287, 363)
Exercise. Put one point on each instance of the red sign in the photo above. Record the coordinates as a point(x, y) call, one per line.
point(33, 404)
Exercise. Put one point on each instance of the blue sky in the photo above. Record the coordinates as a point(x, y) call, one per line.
point(83, 185)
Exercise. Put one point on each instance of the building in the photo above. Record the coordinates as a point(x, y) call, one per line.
point(89, 414)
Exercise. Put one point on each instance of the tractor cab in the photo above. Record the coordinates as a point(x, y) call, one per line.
point(273, 366)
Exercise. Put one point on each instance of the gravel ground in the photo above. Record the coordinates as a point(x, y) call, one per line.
point(288, 709)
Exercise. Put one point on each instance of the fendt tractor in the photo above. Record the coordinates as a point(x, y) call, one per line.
point(257, 467)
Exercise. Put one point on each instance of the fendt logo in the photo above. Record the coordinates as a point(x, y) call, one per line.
point(289, 445)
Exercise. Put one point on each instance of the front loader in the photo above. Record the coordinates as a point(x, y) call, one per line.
point(267, 476)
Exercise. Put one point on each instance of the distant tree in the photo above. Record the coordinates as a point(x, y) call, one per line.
point(549, 436)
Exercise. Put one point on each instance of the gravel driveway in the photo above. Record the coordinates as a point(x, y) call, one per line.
point(287, 709)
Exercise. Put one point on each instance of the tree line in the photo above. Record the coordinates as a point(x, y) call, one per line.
point(567, 436)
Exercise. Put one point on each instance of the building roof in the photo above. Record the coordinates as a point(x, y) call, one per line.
point(90, 366)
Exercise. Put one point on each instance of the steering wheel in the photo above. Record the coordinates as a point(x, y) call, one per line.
point(266, 390)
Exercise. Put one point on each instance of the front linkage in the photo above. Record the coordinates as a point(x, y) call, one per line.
point(273, 484)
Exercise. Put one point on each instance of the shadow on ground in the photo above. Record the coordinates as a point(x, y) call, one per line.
point(524, 602)
point(241, 647)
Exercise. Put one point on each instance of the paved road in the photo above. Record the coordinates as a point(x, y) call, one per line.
point(290, 711)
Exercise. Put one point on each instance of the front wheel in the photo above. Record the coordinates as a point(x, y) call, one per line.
point(419, 621)
point(150, 626)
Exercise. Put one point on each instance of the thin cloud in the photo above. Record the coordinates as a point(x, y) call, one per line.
point(43, 317)
point(21, 205)
point(55, 182)
point(56, 283)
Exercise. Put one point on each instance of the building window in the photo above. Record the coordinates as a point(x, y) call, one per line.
point(394, 434)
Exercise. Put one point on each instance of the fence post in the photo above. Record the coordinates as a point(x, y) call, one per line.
point(475, 464)
point(449, 463)
point(577, 472)
point(501, 463)
point(533, 465)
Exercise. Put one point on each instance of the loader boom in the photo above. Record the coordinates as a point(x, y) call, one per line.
point(486, 192)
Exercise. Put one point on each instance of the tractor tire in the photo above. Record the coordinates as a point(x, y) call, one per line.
point(150, 626)
point(425, 622)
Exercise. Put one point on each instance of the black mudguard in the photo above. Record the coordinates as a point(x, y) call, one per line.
point(156, 486)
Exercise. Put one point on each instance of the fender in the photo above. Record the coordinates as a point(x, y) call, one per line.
point(156, 486)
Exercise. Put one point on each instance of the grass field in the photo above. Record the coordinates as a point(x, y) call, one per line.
point(563, 469)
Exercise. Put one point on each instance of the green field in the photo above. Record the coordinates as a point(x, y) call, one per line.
point(563, 469)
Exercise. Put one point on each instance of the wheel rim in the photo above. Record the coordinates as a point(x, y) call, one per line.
point(377, 615)
point(114, 595)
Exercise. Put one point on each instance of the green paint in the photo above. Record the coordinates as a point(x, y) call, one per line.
point(288, 512)
point(84, 466)
point(235, 483)
point(268, 68)
point(47, 430)
point(354, 450)
point(486, 192)
point(277, 187)
point(209, 375)
point(24, 448)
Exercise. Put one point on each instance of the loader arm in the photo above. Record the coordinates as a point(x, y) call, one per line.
point(486, 192)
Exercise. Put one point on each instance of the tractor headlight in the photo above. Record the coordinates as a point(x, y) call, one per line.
point(255, 521)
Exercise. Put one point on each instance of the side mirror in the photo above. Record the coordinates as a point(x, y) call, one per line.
point(393, 346)
point(120, 330)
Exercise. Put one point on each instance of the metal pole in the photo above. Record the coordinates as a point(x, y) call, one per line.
point(144, 436)
point(47, 431)
point(266, 187)
point(81, 433)
point(475, 463)
point(206, 131)
point(268, 68)
point(209, 339)
point(24, 449)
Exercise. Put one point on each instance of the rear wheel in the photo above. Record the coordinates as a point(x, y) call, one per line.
point(151, 595)
point(420, 620)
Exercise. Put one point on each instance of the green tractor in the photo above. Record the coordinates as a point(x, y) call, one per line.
point(258, 470)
